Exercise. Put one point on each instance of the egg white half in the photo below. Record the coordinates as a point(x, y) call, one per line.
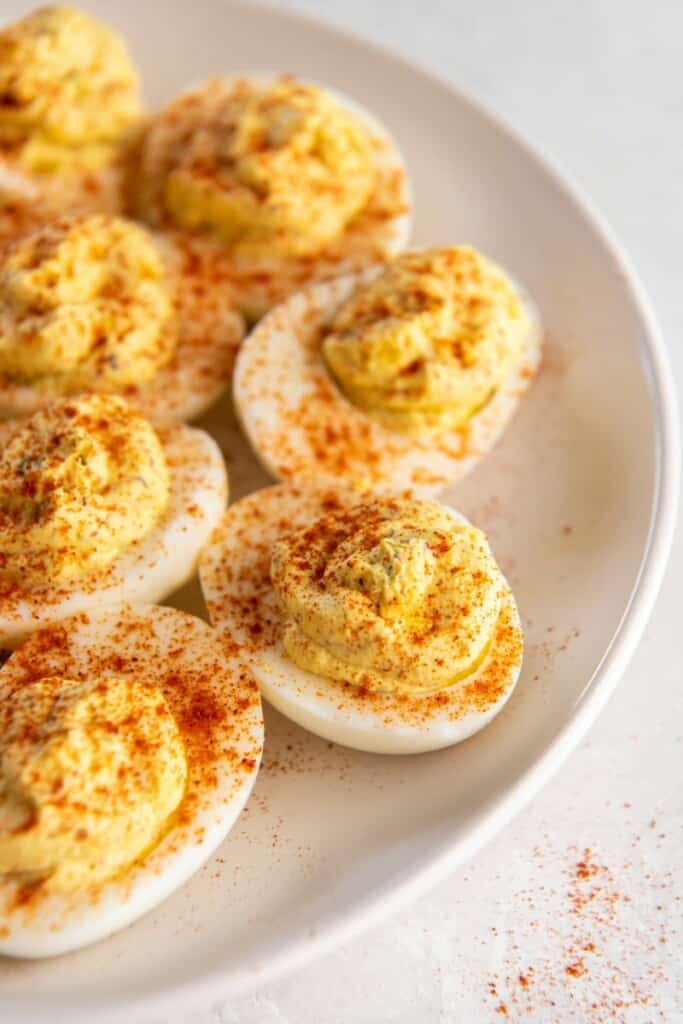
point(100, 191)
point(152, 568)
point(380, 231)
point(209, 333)
point(18, 215)
point(304, 429)
point(227, 750)
point(235, 576)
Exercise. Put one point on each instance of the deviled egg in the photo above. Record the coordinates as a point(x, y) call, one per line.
point(69, 110)
point(96, 302)
point(275, 181)
point(398, 379)
point(96, 507)
point(130, 744)
point(383, 624)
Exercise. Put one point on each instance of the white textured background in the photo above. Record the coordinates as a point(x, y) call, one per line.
point(575, 912)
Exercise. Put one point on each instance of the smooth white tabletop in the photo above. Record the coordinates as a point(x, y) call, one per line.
point(574, 913)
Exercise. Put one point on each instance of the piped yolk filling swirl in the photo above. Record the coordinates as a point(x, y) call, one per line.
point(84, 303)
point(428, 342)
point(68, 90)
point(393, 596)
point(79, 482)
point(89, 774)
point(268, 169)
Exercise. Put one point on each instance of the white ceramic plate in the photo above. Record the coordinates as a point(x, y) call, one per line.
point(579, 501)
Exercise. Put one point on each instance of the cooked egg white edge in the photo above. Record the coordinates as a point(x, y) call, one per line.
point(271, 354)
point(317, 704)
point(321, 705)
point(67, 191)
point(154, 567)
point(66, 923)
point(17, 183)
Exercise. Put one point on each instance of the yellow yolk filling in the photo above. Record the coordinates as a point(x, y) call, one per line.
point(68, 91)
point(89, 774)
point(429, 341)
point(268, 169)
point(394, 596)
point(79, 483)
point(84, 303)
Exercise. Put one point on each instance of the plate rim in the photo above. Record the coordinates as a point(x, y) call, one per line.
point(220, 984)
